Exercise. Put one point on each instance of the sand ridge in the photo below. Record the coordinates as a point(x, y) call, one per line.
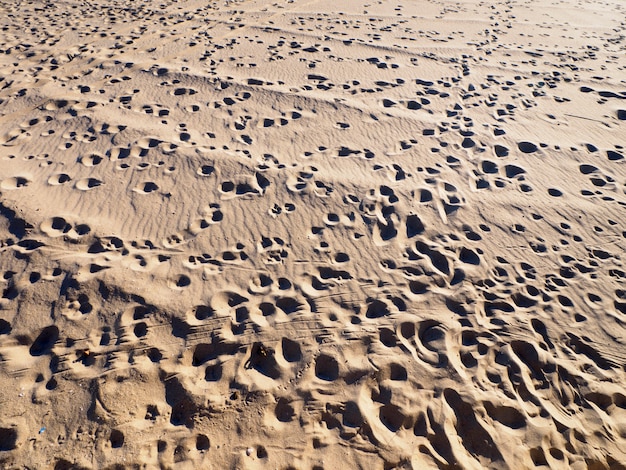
point(305, 234)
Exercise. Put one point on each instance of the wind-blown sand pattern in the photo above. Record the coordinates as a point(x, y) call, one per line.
point(313, 234)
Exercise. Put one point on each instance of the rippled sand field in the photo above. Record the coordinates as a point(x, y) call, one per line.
point(313, 234)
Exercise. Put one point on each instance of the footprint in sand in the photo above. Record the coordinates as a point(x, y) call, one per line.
point(15, 182)
point(87, 184)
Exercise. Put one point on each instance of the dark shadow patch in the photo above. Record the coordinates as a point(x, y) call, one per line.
point(116, 439)
point(202, 312)
point(377, 309)
point(5, 327)
point(388, 337)
point(506, 415)
point(262, 360)
point(291, 350)
point(180, 328)
point(501, 151)
point(63, 464)
point(202, 442)
point(206, 352)
point(469, 256)
point(418, 288)
point(213, 372)
point(439, 261)
point(397, 372)
point(475, 438)
point(288, 305)
point(8, 439)
point(329, 273)
point(513, 170)
point(489, 167)
point(183, 406)
point(391, 416)
point(580, 347)
point(155, 355)
point(284, 411)
point(45, 341)
point(527, 147)
point(414, 226)
point(326, 367)
point(522, 301)
point(17, 226)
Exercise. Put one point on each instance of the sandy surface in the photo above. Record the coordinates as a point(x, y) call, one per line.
point(313, 234)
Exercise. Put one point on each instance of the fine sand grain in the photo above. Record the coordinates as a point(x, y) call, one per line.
point(313, 234)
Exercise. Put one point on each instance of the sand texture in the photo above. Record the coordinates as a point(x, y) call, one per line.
point(313, 234)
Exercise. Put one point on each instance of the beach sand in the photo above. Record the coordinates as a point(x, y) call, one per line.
point(313, 234)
